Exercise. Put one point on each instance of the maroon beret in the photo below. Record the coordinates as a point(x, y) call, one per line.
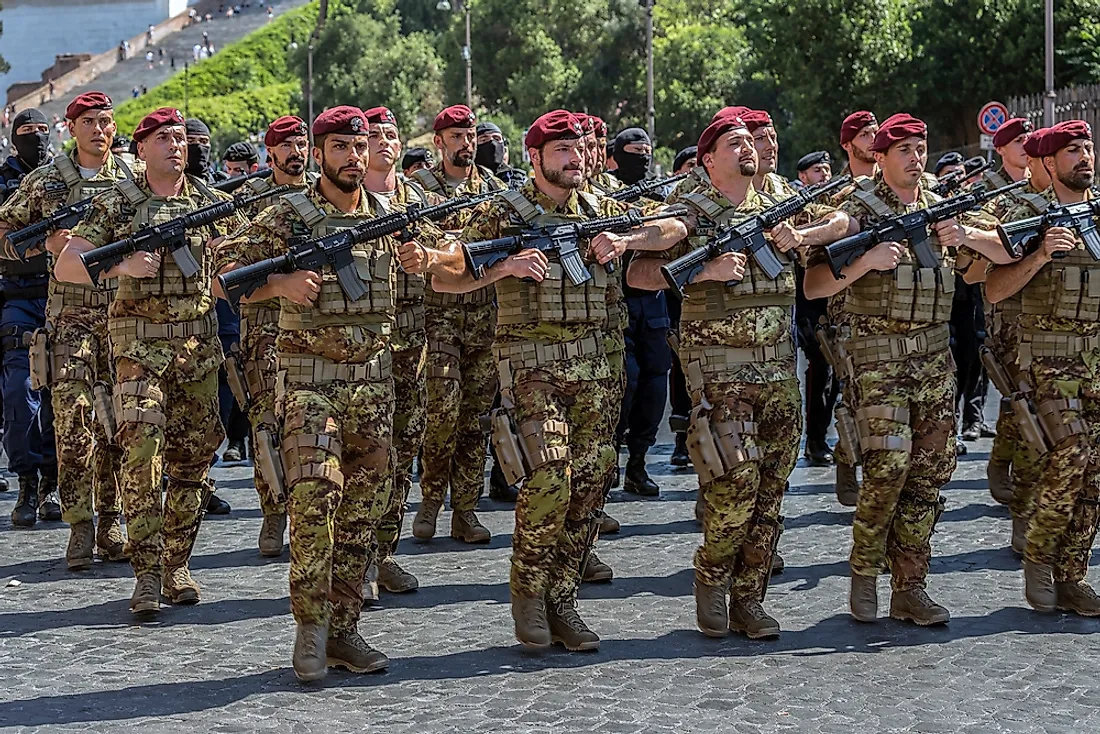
point(343, 120)
point(1034, 140)
point(556, 125)
point(458, 115)
point(599, 126)
point(586, 122)
point(380, 116)
point(897, 128)
point(737, 111)
point(855, 122)
point(1007, 132)
point(1057, 137)
point(285, 127)
point(719, 126)
point(156, 119)
point(755, 119)
point(87, 101)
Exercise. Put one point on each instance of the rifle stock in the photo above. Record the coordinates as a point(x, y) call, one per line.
point(34, 237)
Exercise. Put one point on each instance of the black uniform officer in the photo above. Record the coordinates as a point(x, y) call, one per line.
point(678, 397)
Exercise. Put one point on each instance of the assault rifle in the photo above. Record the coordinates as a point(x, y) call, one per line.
point(33, 237)
point(171, 237)
point(558, 238)
point(952, 182)
point(1025, 235)
point(747, 236)
point(230, 185)
point(334, 250)
point(645, 188)
point(914, 227)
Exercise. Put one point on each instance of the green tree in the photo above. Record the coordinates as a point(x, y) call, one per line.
point(4, 66)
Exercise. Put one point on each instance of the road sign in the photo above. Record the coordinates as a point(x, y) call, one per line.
point(991, 117)
point(986, 142)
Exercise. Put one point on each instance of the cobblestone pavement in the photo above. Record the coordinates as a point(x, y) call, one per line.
point(72, 659)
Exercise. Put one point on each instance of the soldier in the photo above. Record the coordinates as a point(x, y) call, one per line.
point(684, 160)
point(815, 168)
point(163, 336)
point(416, 159)
point(461, 378)
point(857, 134)
point(741, 374)
point(679, 400)
point(492, 155)
point(28, 415)
point(948, 164)
point(896, 337)
point(767, 182)
point(1056, 343)
point(554, 375)
point(198, 150)
point(600, 175)
point(241, 158)
point(79, 352)
point(335, 393)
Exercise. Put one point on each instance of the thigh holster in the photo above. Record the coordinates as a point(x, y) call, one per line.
point(270, 461)
point(869, 441)
point(37, 343)
point(717, 447)
point(104, 407)
point(1058, 429)
point(143, 391)
point(299, 468)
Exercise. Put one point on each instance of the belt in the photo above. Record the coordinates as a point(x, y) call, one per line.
point(531, 354)
point(715, 358)
point(894, 348)
point(31, 293)
point(124, 330)
point(304, 368)
point(1034, 344)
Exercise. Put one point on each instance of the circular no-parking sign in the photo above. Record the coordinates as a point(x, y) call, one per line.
point(991, 117)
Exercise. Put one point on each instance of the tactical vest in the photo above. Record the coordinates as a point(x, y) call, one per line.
point(73, 295)
point(711, 300)
point(410, 288)
point(1020, 196)
point(427, 178)
point(555, 299)
point(909, 293)
point(373, 263)
point(150, 210)
point(1067, 288)
point(1009, 309)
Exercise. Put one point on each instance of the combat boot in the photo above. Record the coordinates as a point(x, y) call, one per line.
point(529, 614)
point(49, 506)
point(310, 658)
point(999, 473)
point(847, 484)
point(748, 616)
point(271, 535)
point(915, 606)
point(395, 579)
point(680, 456)
point(25, 513)
point(466, 527)
point(818, 453)
point(1039, 586)
point(637, 480)
point(1019, 534)
point(569, 630)
point(426, 516)
point(78, 555)
point(863, 598)
point(178, 587)
point(145, 599)
point(596, 570)
point(499, 489)
point(608, 524)
point(1077, 597)
point(109, 537)
point(234, 453)
point(711, 613)
point(777, 564)
point(370, 585)
point(349, 650)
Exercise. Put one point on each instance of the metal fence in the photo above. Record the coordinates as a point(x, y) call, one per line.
point(1074, 103)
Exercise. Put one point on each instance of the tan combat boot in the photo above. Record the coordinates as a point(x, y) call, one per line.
point(711, 612)
point(424, 522)
point(596, 570)
point(466, 527)
point(529, 614)
point(178, 587)
point(569, 630)
point(370, 585)
point(748, 616)
point(349, 650)
point(310, 655)
point(1019, 534)
point(145, 599)
point(999, 473)
point(271, 535)
point(109, 537)
point(1077, 597)
point(78, 555)
point(1039, 586)
point(915, 606)
point(847, 485)
point(395, 579)
point(863, 598)
point(608, 524)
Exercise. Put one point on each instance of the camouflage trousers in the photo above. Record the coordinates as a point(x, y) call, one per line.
point(1027, 466)
point(258, 361)
point(409, 354)
point(461, 385)
point(88, 462)
point(1067, 503)
point(616, 389)
point(899, 500)
point(336, 446)
point(741, 515)
point(168, 429)
point(559, 501)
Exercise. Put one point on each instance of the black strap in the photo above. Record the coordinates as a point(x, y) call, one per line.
point(30, 293)
point(37, 265)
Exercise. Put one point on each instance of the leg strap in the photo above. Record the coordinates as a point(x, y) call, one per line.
point(872, 442)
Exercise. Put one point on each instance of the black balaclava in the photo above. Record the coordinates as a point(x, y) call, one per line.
point(633, 167)
point(198, 156)
point(33, 149)
point(489, 154)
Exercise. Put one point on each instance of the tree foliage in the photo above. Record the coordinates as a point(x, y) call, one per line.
point(4, 66)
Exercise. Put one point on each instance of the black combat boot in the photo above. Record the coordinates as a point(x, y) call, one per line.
point(680, 457)
point(499, 489)
point(49, 507)
point(25, 513)
point(637, 480)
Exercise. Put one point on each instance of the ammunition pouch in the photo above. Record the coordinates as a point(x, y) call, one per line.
point(234, 375)
point(298, 469)
point(877, 442)
point(717, 447)
point(1059, 430)
point(532, 437)
point(270, 462)
point(104, 407)
point(259, 376)
point(38, 348)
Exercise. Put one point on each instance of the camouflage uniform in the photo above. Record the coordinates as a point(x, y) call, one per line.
point(163, 336)
point(335, 401)
point(460, 374)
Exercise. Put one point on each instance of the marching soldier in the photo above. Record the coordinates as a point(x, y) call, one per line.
point(857, 134)
point(76, 341)
point(1055, 343)
point(163, 337)
point(241, 158)
point(896, 337)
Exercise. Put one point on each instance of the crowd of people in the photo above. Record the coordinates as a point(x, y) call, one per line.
point(121, 381)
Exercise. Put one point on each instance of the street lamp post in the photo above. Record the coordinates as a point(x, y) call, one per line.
point(1049, 96)
point(467, 54)
point(651, 110)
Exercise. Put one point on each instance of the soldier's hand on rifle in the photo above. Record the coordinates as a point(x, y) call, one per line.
point(727, 267)
point(884, 256)
point(607, 246)
point(413, 257)
point(785, 237)
point(950, 233)
point(301, 286)
point(529, 264)
point(55, 243)
point(1057, 239)
point(140, 264)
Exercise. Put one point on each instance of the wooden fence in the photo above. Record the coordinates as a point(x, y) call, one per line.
point(1073, 103)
